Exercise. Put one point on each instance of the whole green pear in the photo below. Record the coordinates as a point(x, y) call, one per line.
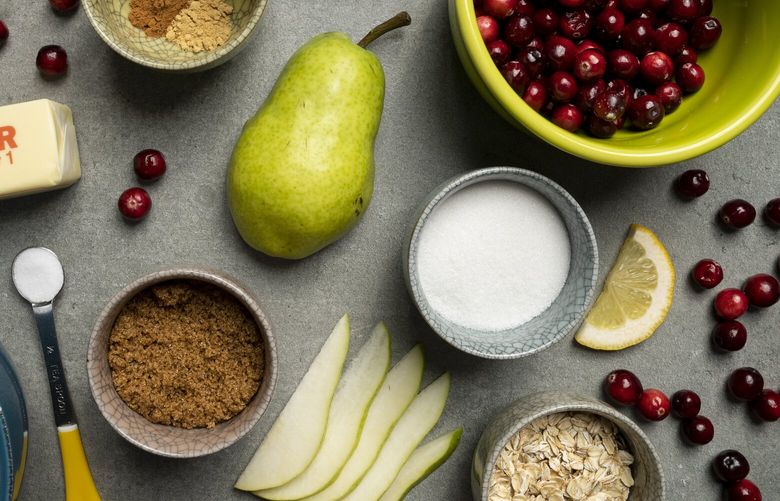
point(302, 172)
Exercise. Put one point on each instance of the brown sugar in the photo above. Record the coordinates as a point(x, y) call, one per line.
point(186, 354)
point(154, 16)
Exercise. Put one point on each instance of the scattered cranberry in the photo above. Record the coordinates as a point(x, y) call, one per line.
point(731, 466)
point(519, 30)
point(623, 64)
point(52, 61)
point(656, 68)
point(488, 28)
point(683, 10)
point(670, 94)
point(737, 214)
point(63, 6)
point(646, 112)
point(687, 55)
point(600, 128)
point(767, 405)
point(609, 24)
point(623, 387)
point(730, 335)
point(698, 430)
point(693, 183)
point(535, 95)
point(637, 36)
point(730, 304)
point(609, 106)
point(746, 383)
point(590, 65)
point(516, 75)
point(149, 164)
point(563, 87)
point(686, 404)
point(772, 211)
point(654, 405)
point(762, 290)
point(670, 38)
point(545, 21)
point(743, 490)
point(575, 24)
point(708, 273)
point(134, 204)
point(705, 32)
point(499, 51)
point(499, 8)
point(588, 93)
point(567, 117)
point(3, 32)
point(560, 52)
point(690, 77)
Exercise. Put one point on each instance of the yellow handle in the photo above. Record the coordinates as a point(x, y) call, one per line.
point(79, 485)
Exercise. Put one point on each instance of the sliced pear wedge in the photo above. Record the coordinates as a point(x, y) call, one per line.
point(423, 461)
point(398, 390)
point(296, 436)
point(414, 425)
point(356, 390)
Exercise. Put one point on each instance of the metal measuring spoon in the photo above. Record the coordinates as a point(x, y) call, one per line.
point(38, 276)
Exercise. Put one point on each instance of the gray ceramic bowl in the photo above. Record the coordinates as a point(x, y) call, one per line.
point(550, 326)
point(163, 440)
point(109, 18)
point(648, 474)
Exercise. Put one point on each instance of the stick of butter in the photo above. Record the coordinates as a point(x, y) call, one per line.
point(38, 150)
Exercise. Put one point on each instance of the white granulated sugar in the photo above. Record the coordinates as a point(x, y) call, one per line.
point(493, 256)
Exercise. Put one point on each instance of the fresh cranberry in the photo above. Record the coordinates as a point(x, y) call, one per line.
point(646, 112)
point(686, 404)
point(743, 490)
point(730, 335)
point(670, 38)
point(746, 383)
point(683, 11)
point(534, 61)
point(686, 55)
point(524, 8)
point(149, 164)
point(609, 106)
point(623, 64)
point(705, 32)
point(516, 75)
point(609, 24)
point(705, 7)
point(535, 95)
point(563, 87)
point(767, 405)
point(134, 204)
point(623, 387)
point(707, 273)
point(576, 24)
point(589, 65)
point(730, 304)
point(731, 466)
point(698, 430)
point(658, 5)
point(589, 44)
point(519, 30)
point(3, 32)
point(737, 214)
point(623, 88)
point(499, 8)
point(545, 21)
point(488, 28)
point(595, 5)
point(588, 93)
point(632, 6)
point(772, 211)
point(654, 405)
point(670, 95)
point(693, 183)
point(762, 290)
point(656, 68)
point(63, 6)
point(560, 51)
point(637, 36)
point(536, 43)
point(568, 117)
point(571, 4)
point(600, 128)
point(52, 61)
point(499, 51)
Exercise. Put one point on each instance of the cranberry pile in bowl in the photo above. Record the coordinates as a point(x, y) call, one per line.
point(723, 107)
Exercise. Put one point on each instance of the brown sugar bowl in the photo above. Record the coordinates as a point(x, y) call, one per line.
point(176, 440)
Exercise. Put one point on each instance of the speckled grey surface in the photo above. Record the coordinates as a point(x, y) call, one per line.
point(435, 126)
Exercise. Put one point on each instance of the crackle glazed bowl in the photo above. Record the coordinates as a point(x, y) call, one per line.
point(13, 430)
point(742, 81)
point(647, 471)
point(170, 441)
point(110, 20)
point(559, 319)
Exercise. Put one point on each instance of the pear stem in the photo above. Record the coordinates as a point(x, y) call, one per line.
point(399, 20)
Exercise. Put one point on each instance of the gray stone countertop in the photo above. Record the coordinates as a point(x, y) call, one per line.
point(435, 126)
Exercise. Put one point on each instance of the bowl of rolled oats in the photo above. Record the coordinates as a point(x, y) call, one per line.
point(560, 447)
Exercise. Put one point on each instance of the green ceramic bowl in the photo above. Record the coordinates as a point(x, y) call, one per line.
point(110, 20)
point(742, 81)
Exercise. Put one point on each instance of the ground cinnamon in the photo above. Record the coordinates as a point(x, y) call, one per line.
point(154, 16)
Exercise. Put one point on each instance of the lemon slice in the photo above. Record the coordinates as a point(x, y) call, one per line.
point(636, 297)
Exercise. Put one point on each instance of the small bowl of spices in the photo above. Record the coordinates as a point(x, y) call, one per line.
point(182, 363)
point(556, 446)
point(175, 35)
point(501, 262)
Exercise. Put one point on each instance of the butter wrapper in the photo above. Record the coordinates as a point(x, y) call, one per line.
point(38, 150)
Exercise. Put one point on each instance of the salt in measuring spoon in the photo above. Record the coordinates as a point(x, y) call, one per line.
point(38, 277)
